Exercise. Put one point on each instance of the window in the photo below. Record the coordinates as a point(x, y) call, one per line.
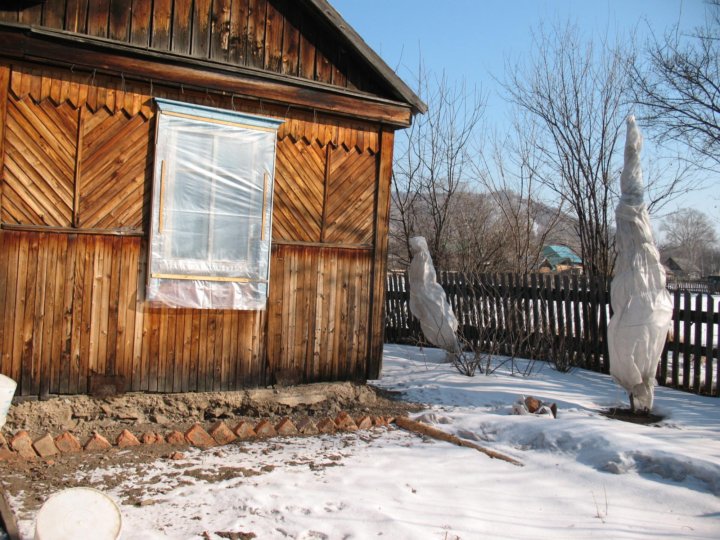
point(211, 208)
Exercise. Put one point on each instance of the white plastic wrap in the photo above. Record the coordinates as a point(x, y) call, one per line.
point(428, 301)
point(212, 208)
point(641, 304)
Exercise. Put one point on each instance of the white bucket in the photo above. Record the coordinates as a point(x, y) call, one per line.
point(7, 391)
point(78, 514)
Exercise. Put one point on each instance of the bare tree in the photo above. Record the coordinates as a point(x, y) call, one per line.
point(574, 94)
point(510, 177)
point(676, 84)
point(431, 167)
point(690, 233)
point(478, 237)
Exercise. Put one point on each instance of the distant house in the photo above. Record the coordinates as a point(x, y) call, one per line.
point(560, 259)
point(682, 268)
point(714, 284)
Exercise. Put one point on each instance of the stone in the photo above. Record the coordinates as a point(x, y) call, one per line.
point(8, 455)
point(380, 421)
point(176, 455)
point(67, 443)
point(3, 443)
point(97, 442)
point(286, 427)
point(326, 425)
point(244, 431)
point(197, 436)
point(23, 445)
point(306, 426)
point(175, 437)
point(364, 422)
point(345, 422)
point(45, 446)
point(265, 429)
point(160, 419)
point(126, 438)
point(532, 404)
point(221, 433)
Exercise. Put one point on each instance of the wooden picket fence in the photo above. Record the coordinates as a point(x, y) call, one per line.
point(564, 319)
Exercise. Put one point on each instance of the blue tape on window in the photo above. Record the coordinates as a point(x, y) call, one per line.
point(178, 107)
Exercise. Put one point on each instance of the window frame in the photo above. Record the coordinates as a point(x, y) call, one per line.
point(218, 278)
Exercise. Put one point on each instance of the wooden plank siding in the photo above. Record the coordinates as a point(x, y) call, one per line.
point(273, 35)
point(76, 182)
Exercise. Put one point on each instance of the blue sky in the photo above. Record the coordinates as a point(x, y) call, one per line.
point(470, 40)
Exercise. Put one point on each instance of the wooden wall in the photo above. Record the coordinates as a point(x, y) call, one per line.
point(273, 35)
point(76, 155)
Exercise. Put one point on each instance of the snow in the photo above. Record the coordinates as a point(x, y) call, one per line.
point(584, 475)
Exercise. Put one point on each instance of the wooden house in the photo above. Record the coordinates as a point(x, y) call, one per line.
point(681, 268)
point(122, 258)
point(559, 259)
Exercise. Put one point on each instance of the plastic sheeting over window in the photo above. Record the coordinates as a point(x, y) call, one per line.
point(211, 208)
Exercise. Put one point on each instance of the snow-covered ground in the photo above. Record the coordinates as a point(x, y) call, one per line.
point(585, 476)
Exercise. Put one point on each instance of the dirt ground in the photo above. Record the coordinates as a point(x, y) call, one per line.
point(29, 482)
point(82, 415)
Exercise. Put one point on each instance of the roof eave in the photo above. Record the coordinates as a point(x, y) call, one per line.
point(378, 65)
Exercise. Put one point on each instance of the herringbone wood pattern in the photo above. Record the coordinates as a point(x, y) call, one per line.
point(116, 170)
point(351, 197)
point(39, 163)
point(299, 191)
point(114, 166)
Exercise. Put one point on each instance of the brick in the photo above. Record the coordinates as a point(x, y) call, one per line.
point(197, 436)
point(97, 442)
point(8, 455)
point(175, 437)
point(244, 431)
point(3, 443)
point(307, 427)
point(345, 422)
point(126, 438)
point(364, 422)
point(23, 445)
point(67, 443)
point(221, 433)
point(152, 437)
point(326, 425)
point(265, 429)
point(45, 446)
point(149, 438)
point(286, 427)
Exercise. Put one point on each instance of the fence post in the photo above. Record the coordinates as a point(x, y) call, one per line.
point(687, 314)
point(697, 354)
point(709, 327)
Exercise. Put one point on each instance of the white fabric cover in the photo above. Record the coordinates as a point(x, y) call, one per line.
point(641, 304)
point(428, 301)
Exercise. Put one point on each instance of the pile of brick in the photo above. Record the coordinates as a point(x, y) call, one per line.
point(22, 446)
